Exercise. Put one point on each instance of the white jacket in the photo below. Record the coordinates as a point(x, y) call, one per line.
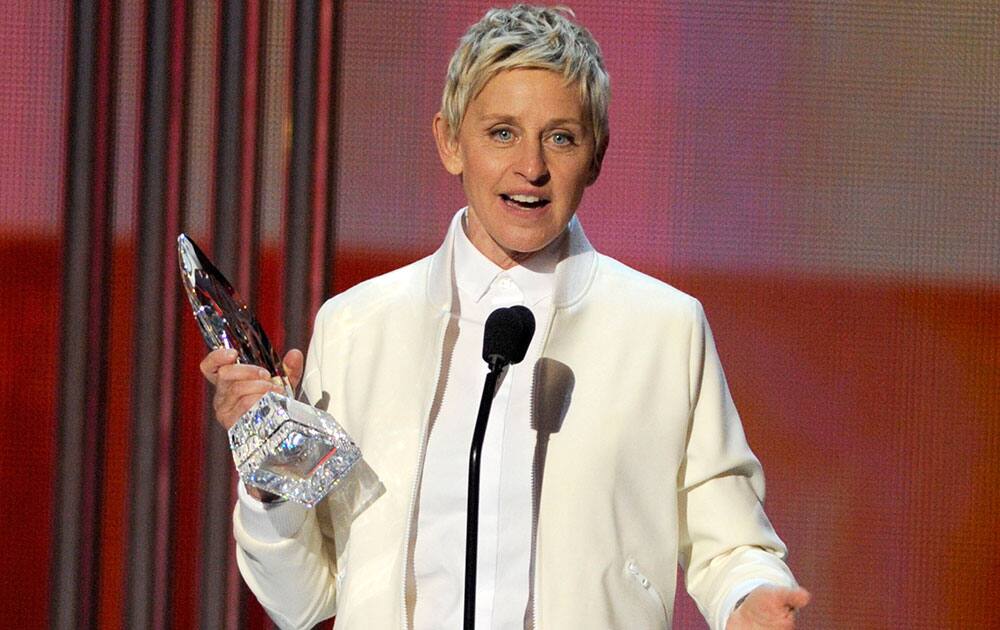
point(641, 460)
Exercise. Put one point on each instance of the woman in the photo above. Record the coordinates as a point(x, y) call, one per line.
point(613, 451)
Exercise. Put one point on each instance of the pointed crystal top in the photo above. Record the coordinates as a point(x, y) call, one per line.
point(224, 318)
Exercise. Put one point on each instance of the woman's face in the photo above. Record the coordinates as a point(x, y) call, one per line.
point(525, 154)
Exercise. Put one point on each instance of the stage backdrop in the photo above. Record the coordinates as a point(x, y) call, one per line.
point(823, 176)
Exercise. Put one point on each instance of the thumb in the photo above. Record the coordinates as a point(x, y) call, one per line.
point(293, 364)
point(798, 598)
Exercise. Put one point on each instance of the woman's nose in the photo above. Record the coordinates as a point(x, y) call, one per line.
point(531, 163)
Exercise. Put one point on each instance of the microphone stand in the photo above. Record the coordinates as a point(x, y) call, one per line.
point(506, 337)
point(472, 510)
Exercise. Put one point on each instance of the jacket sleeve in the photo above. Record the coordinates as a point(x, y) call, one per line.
point(727, 544)
point(284, 554)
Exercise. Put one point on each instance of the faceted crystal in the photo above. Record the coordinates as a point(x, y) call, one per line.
point(291, 449)
point(224, 318)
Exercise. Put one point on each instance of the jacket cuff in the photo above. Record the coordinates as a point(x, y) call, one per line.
point(268, 522)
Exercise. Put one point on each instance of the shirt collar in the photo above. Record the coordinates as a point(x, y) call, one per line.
point(475, 273)
point(575, 270)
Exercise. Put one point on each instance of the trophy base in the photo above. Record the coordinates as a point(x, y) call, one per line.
point(291, 449)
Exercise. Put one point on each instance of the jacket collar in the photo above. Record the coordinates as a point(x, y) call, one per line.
point(574, 271)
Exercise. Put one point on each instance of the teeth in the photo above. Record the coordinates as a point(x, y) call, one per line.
point(525, 198)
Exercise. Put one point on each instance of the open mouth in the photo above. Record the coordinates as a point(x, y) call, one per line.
point(525, 201)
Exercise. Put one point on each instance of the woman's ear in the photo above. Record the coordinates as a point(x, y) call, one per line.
point(447, 145)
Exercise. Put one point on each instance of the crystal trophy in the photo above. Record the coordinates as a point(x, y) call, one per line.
point(281, 445)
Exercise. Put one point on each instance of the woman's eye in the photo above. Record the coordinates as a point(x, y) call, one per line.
point(562, 139)
point(503, 135)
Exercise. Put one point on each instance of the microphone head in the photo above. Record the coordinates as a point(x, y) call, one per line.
point(507, 335)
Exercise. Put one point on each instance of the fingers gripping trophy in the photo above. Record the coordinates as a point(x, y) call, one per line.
point(283, 445)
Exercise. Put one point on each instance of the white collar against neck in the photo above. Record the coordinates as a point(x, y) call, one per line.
point(574, 271)
point(535, 277)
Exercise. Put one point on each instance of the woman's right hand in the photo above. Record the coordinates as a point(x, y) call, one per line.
point(238, 386)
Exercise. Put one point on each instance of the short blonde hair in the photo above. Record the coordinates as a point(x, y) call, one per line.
point(526, 36)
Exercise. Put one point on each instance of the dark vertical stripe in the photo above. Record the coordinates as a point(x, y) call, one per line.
point(298, 222)
point(227, 193)
point(150, 321)
point(99, 299)
point(181, 600)
point(76, 253)
point(218, 465)
point(319, 253)
point(82, 398)
point(248, 211)
point(168, 410)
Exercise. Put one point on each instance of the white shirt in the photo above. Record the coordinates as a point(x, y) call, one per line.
point(505, 510)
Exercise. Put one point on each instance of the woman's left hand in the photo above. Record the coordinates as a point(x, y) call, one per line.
point(768, 607)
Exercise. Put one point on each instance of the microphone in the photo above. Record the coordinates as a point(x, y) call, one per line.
point(506, 338)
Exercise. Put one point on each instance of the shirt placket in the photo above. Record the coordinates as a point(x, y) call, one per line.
point(503, 292)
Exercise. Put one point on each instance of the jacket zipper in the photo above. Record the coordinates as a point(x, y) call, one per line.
point(534, 529)
point(419, 471)
point(633, 571)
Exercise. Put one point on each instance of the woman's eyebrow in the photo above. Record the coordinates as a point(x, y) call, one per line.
point(508, 118)
point(566, 121)
point(499, 117)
